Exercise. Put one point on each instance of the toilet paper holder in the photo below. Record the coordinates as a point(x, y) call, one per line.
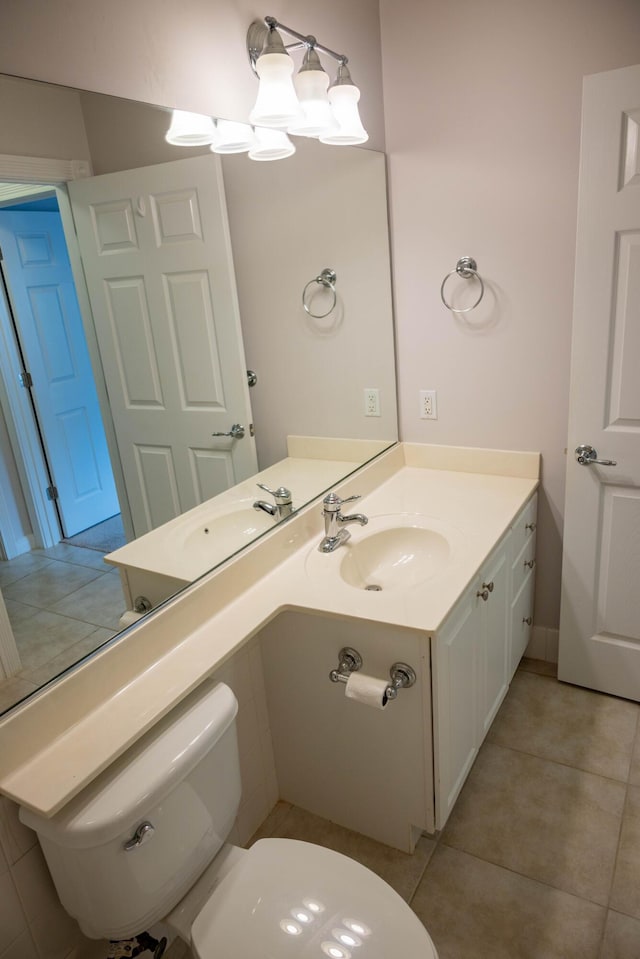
point(350, 661)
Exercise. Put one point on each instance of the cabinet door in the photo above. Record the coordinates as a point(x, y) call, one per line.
point(494, 635)
point(523, 553)
point(521, 621)
point(454, 665)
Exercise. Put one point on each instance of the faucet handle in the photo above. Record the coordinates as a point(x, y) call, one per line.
point(282, 494)
point(332, 502)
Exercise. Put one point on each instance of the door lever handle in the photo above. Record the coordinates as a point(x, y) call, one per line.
point(586, 455)
point(236, 432)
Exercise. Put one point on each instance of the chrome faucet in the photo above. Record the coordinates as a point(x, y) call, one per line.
point(335, 533)
point(283, 506)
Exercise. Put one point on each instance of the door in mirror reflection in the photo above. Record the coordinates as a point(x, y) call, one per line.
point(157, 258)
point(47, 322)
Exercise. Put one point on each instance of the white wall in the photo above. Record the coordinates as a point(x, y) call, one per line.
point(190, 54)
point(59, 130)
point(482, 107)
point(289, 221)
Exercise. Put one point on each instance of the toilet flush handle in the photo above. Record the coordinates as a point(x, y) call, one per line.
point(143, 834)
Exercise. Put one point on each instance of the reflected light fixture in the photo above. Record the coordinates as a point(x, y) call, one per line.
point(303, 107)
point(190, 129)
point(270, 144)
point(233, 137)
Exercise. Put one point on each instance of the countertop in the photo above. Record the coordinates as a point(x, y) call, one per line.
point(64, 737)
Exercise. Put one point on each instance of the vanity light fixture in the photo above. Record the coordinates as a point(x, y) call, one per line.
point(270, 144)
point(233, 137)
point(331, 115)
point(190, 129)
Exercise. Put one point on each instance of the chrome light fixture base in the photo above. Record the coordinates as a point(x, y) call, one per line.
point(256, 38)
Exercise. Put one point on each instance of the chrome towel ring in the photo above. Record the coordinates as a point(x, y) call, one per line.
point(326, 279)
point(466, 267)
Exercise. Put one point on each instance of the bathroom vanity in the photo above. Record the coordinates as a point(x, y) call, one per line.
point(449, 547)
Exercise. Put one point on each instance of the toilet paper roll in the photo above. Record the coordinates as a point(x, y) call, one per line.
point(366, 689)
point(129, 617)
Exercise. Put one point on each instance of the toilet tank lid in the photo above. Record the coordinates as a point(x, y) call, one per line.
point(142, 776)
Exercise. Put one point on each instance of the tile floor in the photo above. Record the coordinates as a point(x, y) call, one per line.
point(541, 856)
point(62, 603)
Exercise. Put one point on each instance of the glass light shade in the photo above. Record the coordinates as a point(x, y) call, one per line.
point(190, 129)
point(311, 87)
point(233, 137)
point(271, 145)
point(348, 125)
point(277, 104)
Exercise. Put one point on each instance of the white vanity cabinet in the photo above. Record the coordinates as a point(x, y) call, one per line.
point(523, 560)
point(474, 655)
point(469, 658)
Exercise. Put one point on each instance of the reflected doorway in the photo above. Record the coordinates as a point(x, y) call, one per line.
point(40, 306)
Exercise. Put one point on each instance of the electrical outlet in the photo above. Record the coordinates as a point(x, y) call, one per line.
point(371, 402)
point(428, 405)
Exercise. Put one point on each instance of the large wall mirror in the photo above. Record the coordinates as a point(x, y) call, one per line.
point(166, 286)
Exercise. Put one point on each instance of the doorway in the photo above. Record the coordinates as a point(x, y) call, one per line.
point(39, 307)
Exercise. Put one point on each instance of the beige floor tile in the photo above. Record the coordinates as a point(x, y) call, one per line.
point(567, 724)
point(539, 666)
point(13, 690)
point(19, 612)
point(634, 772)
point(272, 823)
point(621, 937)
point(70, 656)
point(625, 894)
point(401, 870)
point(46, 635)
point(49, 585)
point(12, 570)
point(544, 820)
point(77, 556)
point(476, 910)
point(101, 602)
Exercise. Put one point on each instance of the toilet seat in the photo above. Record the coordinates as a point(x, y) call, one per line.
point(287, 898)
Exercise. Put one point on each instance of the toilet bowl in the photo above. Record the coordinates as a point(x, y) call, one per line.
point(146, 843)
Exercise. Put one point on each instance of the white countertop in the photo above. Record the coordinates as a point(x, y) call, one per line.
point(60, 740)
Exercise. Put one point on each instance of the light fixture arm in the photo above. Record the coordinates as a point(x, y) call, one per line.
point(259, 30)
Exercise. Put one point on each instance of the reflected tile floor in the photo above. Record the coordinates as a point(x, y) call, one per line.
point(62, 603)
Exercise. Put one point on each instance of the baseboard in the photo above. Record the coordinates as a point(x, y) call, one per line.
point(543, 644)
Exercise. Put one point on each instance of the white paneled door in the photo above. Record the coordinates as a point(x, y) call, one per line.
point(52, 339)
point(600, 617)
point(157, 257)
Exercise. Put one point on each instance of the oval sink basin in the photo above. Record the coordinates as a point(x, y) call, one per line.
point(226, 532)
point(395, 551)
point(397, 558)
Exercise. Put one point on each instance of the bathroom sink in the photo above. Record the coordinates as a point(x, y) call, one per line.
point(394, 558)
point(208, 538)
point(393, 552)
point(233, 530)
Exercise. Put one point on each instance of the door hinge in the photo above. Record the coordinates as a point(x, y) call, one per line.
point(25, 380)
point(52, 492)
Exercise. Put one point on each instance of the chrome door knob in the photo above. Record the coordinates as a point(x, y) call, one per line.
point(586, 455)
point(236, 432)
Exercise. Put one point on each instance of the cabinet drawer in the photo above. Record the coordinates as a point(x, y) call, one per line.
point(524, 528)
point(521, 622)
point(522, 564)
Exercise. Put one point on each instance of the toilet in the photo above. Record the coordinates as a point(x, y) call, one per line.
point(145, 843)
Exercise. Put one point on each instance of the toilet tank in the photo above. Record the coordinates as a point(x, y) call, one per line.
point(128, 848)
